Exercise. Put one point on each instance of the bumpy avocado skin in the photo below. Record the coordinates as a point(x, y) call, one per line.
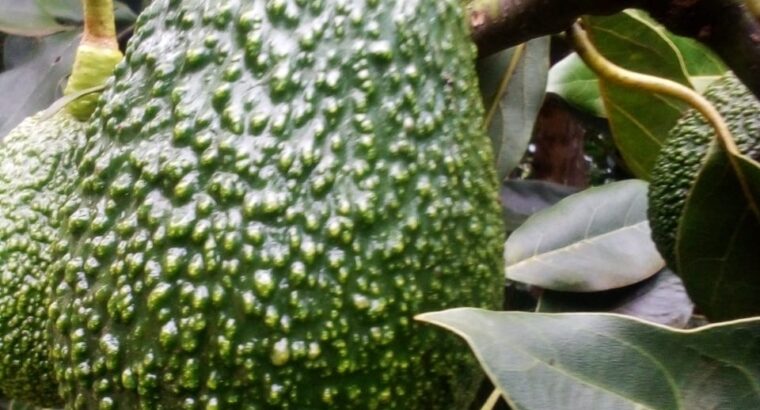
point(273, 189)
point(684, 152)
point(37, 172)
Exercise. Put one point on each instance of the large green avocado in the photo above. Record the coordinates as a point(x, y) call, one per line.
point(272, 190)
point(37, 172)
point(684, 152)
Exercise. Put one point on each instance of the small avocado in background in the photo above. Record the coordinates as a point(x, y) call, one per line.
point(273, 189)
point(685, 150)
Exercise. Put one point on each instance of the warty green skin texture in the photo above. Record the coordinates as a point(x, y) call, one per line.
point(272, 191)
point(37, 172)
point(684, 152)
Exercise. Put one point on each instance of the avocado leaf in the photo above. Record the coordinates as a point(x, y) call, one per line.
point(522, 198)
point(660, 299)
point(639, 120)
point(595, 240)
point(36, 79)
point(610, 362)
point(513, 85)
point(36, 18)
point(718, 237)
point(702, 65)
point(699, 62)
point(29, 18)
point(572, 80)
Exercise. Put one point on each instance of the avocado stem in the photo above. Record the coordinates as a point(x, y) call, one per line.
point(611, 72)
point(99, 24)
point(97, 55)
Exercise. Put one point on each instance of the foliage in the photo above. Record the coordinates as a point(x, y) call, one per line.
point(717, 251)
point(38, 53)
point(563, 252)
point(512, 83)
point(610, 362)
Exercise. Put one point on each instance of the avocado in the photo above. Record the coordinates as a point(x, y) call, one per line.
point(37, 172)
point(270, 192)
point(684, 152)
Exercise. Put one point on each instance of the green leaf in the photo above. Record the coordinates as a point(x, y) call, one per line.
point(572, 80)
point(32, 85)
point(71, 10)
point(660, 299)
point(610, 362)
point(68, 10)
point(522, 198)
point(123, 13)
point(36, 18)
point(513, 98)
point(28, 18)
point(702, 65)
point(640, 121)
point(598, 239)
point(717, 246)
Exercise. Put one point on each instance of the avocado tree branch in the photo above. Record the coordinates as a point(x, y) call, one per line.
point(725, 26)
point(499, 24)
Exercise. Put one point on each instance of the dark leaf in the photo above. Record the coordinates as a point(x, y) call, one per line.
point(660, 299)
point(29, 18)
point(513, 98)
point(35, 83)
point(522, 198)
point(718, 243)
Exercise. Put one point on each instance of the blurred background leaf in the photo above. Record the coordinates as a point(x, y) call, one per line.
point(660, 299)
point(38, 52)
point(513, 85)
point(522, 198)
point(31, 18)
point(35, 78)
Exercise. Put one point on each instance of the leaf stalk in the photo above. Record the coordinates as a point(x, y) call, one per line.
point(99, 24)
